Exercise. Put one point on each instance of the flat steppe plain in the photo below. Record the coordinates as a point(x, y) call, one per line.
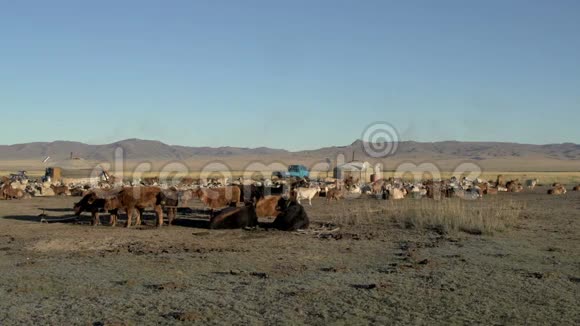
point(372, 270)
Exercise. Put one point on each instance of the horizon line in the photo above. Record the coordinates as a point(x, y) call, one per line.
point(282, 149)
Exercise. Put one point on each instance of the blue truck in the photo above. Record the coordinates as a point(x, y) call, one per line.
point(296, 171)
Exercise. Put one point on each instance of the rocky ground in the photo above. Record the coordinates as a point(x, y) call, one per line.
point(375, 272)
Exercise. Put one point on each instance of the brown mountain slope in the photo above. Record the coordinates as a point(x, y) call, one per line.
point(491, 155)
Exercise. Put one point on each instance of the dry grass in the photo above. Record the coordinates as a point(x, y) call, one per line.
point(449, 215)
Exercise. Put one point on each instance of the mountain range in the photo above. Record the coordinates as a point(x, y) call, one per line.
point(558, 157)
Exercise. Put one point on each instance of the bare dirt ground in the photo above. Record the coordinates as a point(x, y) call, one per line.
point(365, 273)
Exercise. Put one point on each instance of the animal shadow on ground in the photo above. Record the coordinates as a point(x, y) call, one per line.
point(191, 218)
point(266, 225)
point(200, 223)
point(192, 223)
point(57, 209)
point(49, 219)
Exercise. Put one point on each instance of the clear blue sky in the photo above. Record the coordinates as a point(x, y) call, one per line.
point(289, 74)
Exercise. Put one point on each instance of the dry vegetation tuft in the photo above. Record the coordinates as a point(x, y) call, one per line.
point(449, 215)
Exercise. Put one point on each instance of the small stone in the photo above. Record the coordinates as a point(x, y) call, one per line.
point(259, 274)
point(364, 286)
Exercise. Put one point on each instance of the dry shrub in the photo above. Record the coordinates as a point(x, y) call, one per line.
point(471, 216)
point(350, 214)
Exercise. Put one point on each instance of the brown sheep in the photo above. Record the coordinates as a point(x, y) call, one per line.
point(514, 186)
point(60, 190)
point(7, 192)
point(334, 194)
point(500, 181)
point(559, 190)
point(77, 192)
point(576, 188)
point(435, 190)
point(490, 191)
point(377, 186)
point(483, 188)
point(150, 181)
point(186, 181)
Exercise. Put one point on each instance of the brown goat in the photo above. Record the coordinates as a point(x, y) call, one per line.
point(335, 194)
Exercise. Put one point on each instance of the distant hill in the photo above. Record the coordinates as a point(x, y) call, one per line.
point(565, 157)
point(134, 149)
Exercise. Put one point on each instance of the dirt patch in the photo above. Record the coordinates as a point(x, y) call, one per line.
point(76, 244)
point(371, 270)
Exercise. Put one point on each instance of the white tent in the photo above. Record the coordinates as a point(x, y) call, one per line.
point(74, 168)
point(356, 169)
